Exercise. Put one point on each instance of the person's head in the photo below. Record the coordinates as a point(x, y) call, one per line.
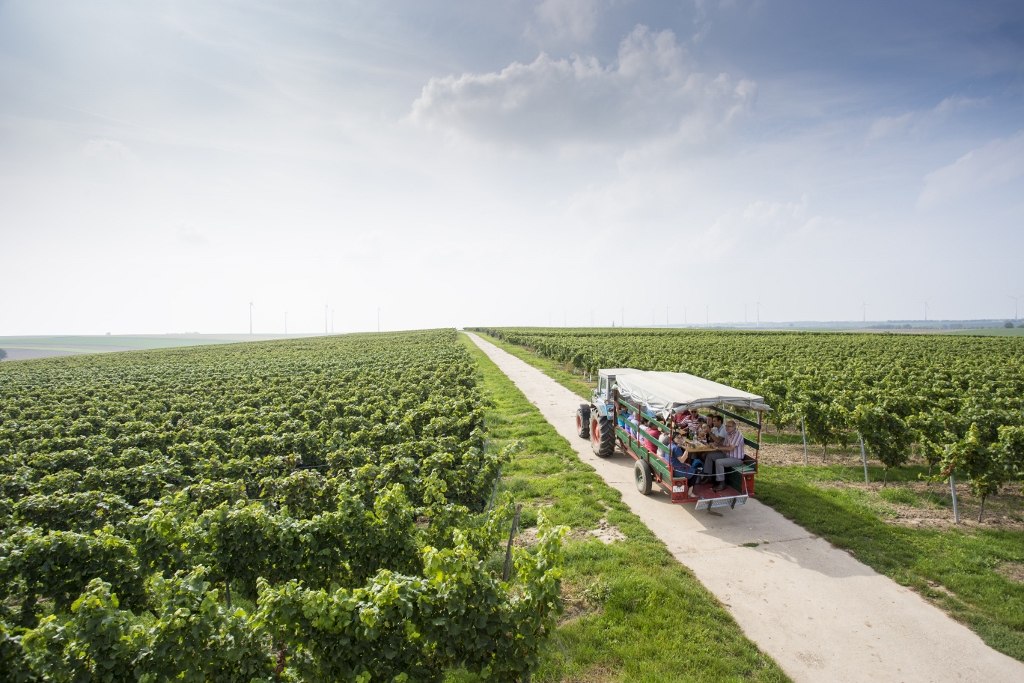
point(718, 420)
point(730, 426)
point(679, 438)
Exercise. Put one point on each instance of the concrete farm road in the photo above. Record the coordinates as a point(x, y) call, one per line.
point(821, 614)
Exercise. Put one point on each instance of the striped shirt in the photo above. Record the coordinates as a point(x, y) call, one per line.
point(735, 443)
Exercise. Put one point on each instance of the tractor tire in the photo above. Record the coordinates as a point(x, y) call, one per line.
point(583, 421)
point(644, 477)
point(602, 436)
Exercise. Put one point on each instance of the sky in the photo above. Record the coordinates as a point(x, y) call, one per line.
point(414, 163)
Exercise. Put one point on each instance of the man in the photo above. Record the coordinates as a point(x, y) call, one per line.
point(718, 430)
point(691, 420)
point(731, 455)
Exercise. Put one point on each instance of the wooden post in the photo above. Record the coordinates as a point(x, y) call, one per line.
point(803, 433)
point(863, 457)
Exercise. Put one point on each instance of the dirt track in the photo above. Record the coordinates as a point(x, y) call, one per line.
point(818, 612)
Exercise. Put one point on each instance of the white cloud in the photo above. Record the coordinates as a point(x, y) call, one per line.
point(889, 125)
point(989, 167)
point(650, 91)
point(567, 20)
point(763, 224)
point(958, 103)
point(108, 151)
point(191, 236)
point(910, 122)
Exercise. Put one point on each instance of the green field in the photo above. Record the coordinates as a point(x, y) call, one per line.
point(237, 512)
point(247, 507)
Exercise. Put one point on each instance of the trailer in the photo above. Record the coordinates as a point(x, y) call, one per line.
point(629, 402)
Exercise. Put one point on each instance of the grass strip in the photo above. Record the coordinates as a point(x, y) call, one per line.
point(633, 613)
point(959, 570)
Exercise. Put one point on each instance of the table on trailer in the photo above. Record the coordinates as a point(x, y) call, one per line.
point(694, 447)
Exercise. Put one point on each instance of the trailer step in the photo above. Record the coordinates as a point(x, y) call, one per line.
point(723, 502)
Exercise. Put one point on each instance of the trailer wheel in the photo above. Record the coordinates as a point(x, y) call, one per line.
point(583, 421)
point(644, 477)
point(602, 436)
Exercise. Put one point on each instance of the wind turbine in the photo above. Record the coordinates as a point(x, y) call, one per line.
point(250, 318)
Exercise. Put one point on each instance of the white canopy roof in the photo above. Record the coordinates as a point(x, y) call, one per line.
point(672, 392)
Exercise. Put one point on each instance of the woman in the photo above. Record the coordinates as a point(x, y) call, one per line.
point(703, 434)
point(682, 464)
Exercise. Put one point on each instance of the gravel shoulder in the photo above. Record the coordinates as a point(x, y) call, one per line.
point(821, 614)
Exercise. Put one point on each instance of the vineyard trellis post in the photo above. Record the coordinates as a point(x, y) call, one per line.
point(508, 550)
point(952, 492)
point(863, 456)
point(803, 433)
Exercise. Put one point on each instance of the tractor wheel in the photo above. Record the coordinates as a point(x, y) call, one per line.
point(644, 477)
point(602, 436)
point(583, 421)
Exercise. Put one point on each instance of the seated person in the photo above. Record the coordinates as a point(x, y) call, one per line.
point(730, 457)
point(677, 418)
point(631, 424)
point(691, 421)
point(680, 461)
point(717, 430)
point(654, 434)
point(703, 434)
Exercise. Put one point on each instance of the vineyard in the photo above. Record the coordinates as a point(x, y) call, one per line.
point(958, 402)
point(315, 509)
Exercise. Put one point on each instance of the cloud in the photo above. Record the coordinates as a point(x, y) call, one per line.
point(958, 103)
point(992, 166)
point(566, 20)
point(190, 236)
point(910, 122)
point(651, 90)
point(763, 224)
point(889, 125)
point(108, 151)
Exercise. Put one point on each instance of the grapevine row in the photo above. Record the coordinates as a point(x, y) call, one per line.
point(958, 400)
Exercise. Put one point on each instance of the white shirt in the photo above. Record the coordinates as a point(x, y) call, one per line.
point(735, 442)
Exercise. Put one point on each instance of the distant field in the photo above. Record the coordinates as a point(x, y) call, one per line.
point(24, 348)
point(994, 332)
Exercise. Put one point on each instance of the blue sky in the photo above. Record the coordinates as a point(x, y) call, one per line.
point(163, 164)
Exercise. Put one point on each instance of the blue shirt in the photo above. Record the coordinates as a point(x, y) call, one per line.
point(679, 467)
